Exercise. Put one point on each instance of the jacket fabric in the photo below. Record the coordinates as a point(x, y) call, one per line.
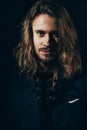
point(65, 109)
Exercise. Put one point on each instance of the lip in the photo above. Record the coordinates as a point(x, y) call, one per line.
point(46, 52)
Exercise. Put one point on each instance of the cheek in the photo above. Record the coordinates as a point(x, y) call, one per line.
point(37, 41)
point(56, 40)
point(56, 43)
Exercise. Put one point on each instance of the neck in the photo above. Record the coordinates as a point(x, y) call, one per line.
point(48, 66)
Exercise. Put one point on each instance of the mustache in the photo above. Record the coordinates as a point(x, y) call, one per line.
point(46, 49)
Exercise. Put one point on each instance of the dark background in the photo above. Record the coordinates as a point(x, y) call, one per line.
point(12, 12)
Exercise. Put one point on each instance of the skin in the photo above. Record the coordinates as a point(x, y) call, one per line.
point(45, 40)
point(45, 37)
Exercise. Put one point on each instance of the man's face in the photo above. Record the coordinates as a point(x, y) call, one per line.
point(45, 37)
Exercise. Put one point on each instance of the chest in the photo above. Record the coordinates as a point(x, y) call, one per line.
point(62, 111)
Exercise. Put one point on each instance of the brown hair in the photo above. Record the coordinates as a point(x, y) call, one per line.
point(68, 56)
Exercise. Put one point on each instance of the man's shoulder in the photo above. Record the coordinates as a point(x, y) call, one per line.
point(81, 85)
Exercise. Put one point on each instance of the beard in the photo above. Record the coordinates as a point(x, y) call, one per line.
point(47, 58)
point(46, 54)
point(46, 61)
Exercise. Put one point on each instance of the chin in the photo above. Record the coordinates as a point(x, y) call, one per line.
point(46, 59)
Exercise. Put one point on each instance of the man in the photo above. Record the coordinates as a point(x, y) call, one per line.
point(53, 97)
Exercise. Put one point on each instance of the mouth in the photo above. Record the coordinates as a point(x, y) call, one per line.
point(46, 50)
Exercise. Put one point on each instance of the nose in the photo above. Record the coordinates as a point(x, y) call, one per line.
point(48, 40)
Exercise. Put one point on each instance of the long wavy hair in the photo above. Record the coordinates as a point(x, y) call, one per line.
point(69, 58)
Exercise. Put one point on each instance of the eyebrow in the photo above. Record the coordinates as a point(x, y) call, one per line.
point(53, 31)
point(39, 31)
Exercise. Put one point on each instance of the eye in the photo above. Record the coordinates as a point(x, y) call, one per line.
point(40, 33)
point(56, 34)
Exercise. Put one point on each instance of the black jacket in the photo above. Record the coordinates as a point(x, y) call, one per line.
point(24, 108)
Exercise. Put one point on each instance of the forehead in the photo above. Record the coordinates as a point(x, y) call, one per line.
point(44, 21)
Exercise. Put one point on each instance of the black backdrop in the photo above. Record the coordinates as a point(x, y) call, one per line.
point(12, 12)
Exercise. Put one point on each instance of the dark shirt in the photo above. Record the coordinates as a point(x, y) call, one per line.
point(64, 108)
